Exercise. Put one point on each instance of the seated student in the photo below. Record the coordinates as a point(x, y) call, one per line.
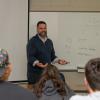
point(92, 81)
point(9, 91)
point(51, 86)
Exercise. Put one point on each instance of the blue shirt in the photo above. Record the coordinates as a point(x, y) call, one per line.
point(41, 51)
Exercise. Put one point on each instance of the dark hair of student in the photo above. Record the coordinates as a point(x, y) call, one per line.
point(50, 73)
point(92, 73)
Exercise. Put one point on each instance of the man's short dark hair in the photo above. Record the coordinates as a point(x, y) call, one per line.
point(41, 22)
point(92, 73)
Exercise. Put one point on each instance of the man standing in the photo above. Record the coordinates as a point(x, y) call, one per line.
point(40, 53)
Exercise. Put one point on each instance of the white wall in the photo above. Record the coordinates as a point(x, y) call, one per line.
point(64, 5)
point(13, 34)
point(75, 35)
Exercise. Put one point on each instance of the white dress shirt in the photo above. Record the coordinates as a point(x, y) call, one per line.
point(92, 96)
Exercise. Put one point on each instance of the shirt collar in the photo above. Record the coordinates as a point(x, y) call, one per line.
point(42, 39)
point(96, 93)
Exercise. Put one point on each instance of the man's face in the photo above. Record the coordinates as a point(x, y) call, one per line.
point(42, 30)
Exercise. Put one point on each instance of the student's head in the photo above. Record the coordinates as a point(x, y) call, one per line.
point(50, 73)
point(5, 66)
point(42, 28)
point(92, 73)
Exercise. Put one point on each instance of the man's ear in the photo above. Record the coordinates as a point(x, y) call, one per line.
point(87, 86)
point(85, 82)
point(8, 68)
point(7, 71)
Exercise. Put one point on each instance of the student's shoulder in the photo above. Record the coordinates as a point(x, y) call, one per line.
point(16, 87)
point(78, 97)
point(17, 91)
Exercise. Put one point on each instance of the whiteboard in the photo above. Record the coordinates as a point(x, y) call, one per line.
point(76, 35)
point(13, 35)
